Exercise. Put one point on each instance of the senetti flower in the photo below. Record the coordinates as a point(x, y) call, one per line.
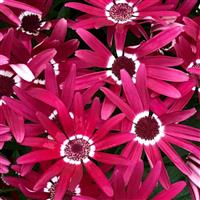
point(118, 15)
point(26, 184)
point(73, 145)
point(153, 128)
point(158, 67)
point(5, 9)
point(194, 182)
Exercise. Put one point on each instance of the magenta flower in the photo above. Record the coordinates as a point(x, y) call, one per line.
point(4, 9)
point(74, 143)
point(158, 66)
point(121, 15)
point(26, 184)
point(153, 127)
point(4, 163)
point(194, 186)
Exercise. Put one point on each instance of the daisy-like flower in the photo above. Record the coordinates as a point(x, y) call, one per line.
point(153, 127)
point(119, 15)
point(159, 67)
point(4, 163)
point(26, 184)
point(4, 9)
point(77, 143)
point(194, 184)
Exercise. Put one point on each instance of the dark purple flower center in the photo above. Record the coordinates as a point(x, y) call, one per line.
point(31, 23)
point(6, 85)
point(123, 63)
point(121, 12)
point(147, 128)
point(77, 149)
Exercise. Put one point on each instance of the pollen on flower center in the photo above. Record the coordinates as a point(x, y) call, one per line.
point(148, 128)
point(77, 149)
point(123, 62)
point(6, 84)
point(30, 23)
point(121, 12)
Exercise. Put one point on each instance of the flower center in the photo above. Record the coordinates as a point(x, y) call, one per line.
point(30, 23)
point(148, 128)
point(77, 149)
point(121, 12)
point(6, 85)
point(123, 62)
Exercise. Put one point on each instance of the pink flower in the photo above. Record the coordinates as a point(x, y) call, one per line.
point(158, 66)
point(73, 143)
point(4, 8)
point(153, 127)
point(121, 15)
point(4, 163)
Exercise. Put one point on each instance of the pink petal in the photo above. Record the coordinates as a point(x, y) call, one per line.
point(163, 88)
point(107, 126)
point(21, 6)
point(85, 8)
point(94, 43)
point(99, 178)
point(167, 74)
point(118, 102)
point(113, 140)
point(174, 157)
point(51, 128)
point(108, 107)
point(38, 156)
point(141, 85)
point(150, 181)
point(112, 159)
point(170, 118)
point(93, 117)
point(172, 192)
point(131, 92)
point(16, 123)
point(63, 183)
point(184, 144)
point(154, 156)
point(52, 171)
point(155, 43)
point(69, 85)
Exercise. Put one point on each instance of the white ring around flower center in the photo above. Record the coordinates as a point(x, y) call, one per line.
point(161, 129)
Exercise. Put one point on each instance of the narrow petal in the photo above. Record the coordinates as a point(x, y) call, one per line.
point(174, 157)
point(38, 156)
point(178, 116)
point(141, 85)
point(51, 128)
point(163, 88)
point(112, 159)
point(99, 178)
point(16, 123)
point(131, 92)
point(118, 102)
point(107, 126)
point(85, 8)
point(154, 156)
point(150, 181)
point(52, 171)
point(172, 192)
point(114, 140)
point(3, 60)
point(155, 43)
point(94, 43)
point(63, 183)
